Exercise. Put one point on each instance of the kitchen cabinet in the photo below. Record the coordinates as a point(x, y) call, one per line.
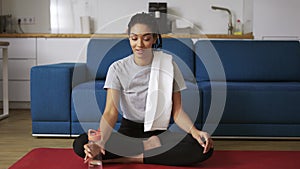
point(21, 57)
point(24, 53)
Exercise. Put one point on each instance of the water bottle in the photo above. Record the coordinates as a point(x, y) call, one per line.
point(238, 28)
point(94, 136)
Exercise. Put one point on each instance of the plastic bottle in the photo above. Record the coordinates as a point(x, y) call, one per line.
point(96, 162)
point(238, 28)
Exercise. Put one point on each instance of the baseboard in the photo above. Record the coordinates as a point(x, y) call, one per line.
point(51, 135)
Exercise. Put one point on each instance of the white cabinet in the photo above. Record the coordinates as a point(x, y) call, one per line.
point(276, 19)
point(21, 48)
point(19, 69)
point(18, 91)
point(24, 53)
point(21, 57)
point(58, 50)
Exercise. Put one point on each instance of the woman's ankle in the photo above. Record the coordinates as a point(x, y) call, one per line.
point(151, 143)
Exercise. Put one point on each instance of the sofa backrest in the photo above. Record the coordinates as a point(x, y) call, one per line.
point(248, 60)
point(182, 50)
point(101, 53)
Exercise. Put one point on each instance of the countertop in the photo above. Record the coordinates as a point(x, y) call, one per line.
point(195, 36)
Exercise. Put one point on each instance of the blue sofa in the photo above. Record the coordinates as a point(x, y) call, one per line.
point(236, 88)
point(262, 87)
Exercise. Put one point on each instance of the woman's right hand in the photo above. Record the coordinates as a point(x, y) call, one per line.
point(91, 150)
point(108, 119)
point(203, 138)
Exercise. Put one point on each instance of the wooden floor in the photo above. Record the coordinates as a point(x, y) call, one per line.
point(16, 140)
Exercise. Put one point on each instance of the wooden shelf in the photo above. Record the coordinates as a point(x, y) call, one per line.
point(194, 36)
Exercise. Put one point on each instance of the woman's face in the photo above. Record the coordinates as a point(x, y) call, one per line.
point(141, 40)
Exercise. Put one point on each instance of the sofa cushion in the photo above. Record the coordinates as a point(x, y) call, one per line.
point(101, 53)
point(88, 104)
point(256, 102)
point(268, 109)
point(89, 98)
point(191, 102)
point(245, 60)
point(182, 50)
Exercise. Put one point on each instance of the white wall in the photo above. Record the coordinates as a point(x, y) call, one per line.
point(111, 16)
point(276, 19)
point(40, 9)
point(196, 11)
point(248, 16)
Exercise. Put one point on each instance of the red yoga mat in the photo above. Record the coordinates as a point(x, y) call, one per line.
point(60, 158)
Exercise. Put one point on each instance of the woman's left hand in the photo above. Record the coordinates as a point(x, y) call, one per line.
point(203, 139)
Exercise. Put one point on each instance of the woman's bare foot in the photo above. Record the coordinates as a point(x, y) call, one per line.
point(151, 143)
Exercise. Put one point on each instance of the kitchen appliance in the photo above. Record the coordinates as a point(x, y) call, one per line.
point(6, 24)
point(159, 11)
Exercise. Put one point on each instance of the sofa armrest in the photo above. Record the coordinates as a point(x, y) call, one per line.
point(51, 87)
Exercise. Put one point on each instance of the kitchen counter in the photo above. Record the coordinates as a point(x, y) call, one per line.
point(195, 36)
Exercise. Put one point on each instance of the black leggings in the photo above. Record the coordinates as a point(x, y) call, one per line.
point(176, 149)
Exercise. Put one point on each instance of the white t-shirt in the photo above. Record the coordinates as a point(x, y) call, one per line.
point(132, 81)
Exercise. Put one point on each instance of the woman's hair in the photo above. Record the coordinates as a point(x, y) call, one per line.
point(150, 21)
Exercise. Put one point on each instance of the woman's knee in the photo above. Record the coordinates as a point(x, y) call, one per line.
point(200, 157)
point(78, 144)
point(197, 153)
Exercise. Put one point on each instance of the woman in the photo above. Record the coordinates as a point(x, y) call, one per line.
point(127, 84)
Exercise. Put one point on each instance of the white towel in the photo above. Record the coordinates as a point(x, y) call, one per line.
point(160, 90)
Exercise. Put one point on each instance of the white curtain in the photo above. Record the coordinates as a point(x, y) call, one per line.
point(65, 14)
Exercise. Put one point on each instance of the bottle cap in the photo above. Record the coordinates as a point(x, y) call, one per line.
point(94, 135)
